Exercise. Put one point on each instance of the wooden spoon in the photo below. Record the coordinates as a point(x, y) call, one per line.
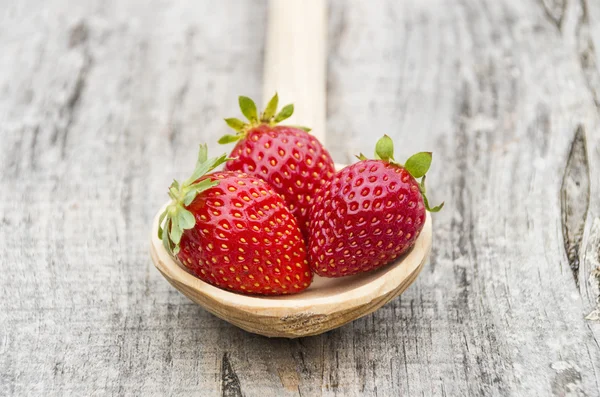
point(327, 304)
point(295, 67)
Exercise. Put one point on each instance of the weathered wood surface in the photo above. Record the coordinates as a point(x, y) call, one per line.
point(103, 102)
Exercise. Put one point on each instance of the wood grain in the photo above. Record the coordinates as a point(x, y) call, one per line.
point(575, 199)
point(102, 105)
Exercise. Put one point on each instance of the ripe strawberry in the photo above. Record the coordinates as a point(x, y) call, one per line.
point(369, 214)
point(233, 231)
point(288, 158)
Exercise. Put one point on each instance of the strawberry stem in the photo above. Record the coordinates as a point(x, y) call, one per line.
point(176, 218)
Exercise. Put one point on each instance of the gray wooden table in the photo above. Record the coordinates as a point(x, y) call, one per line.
point(102, 103)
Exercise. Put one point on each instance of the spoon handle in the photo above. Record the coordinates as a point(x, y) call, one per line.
point(295, 61)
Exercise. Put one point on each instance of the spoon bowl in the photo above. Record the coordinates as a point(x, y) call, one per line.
point(327, 304)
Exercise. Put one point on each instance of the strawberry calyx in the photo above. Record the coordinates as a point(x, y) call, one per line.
point(269, 117)
point(417, 165)
point(176, 218)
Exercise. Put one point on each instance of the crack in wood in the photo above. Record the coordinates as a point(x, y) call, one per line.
point(460, 226)
point(554, 11)
point(540, 130)
point(338, 25)
point(77, 38)
point(575, 199)
point(175, 119)
point(587, 54)
point(591, 264)
point(72, 104)
point(33, 146)
point(78, 34)
point(230, 383)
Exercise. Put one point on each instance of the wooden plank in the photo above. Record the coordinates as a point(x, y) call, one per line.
point(103, 102)
point(499, 91)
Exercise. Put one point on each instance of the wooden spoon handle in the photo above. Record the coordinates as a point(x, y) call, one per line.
point(295, 62)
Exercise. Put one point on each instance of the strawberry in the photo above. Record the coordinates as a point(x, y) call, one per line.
point(369, 214)
point(288, 158)
point(233, 231)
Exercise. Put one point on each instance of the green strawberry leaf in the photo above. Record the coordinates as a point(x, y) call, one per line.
point(236, 124)
point(361, 157)
point(165, 237)
point(197, 188)
point(437, 208)
point(422, 185)
point(202, 154)
point(384, 148)
point(285, 113)
point(185, 219)
point(270, 109)
point(189, 197)
point(248, 108)
point(174, 190)
point(425, 201)
point(176, 231)
point(269, 117)
point(225, 139)
point(300, 127)
point(203, 168)
point(160, 224)
point(418, 164)
point(177, 218)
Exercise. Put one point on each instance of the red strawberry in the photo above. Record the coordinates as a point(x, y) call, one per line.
point(291, 160)
point(369, 214)
point(233, 231)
